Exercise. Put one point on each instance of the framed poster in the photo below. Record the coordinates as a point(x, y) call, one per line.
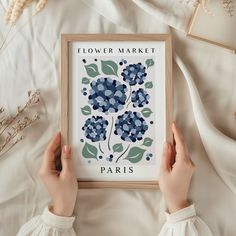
point(214, 22)
point(116, 107)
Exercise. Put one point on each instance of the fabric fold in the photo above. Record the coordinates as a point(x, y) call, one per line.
point(56, 221)
point(173, 13)
point(183, 214)
point(185, 222)
point(220, 148)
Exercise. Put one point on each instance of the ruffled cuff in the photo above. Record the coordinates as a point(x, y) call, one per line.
point(181, 215)
point(56, 221)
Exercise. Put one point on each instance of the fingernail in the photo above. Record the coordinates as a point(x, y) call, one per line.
point(67, 149)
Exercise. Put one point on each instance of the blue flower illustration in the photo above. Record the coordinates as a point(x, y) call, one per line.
point(130, 126)
point(95, 128)
point(107, 95)
point(134, 73)
point(140, 98)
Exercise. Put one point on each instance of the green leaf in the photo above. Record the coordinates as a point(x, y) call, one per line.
point(149, 62)
point(135, 154)
point(109, 67)
point(92, 70)
point(86, 110)
point(147, 142)
point(118, 147)
point(148, 85)
point(89, 151)
point(85, 80)
point(146, 112)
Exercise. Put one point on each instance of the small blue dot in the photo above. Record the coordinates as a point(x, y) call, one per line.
point(150, 155)
point(81, 140)
point(148, 158)
point(84, 89)
point(89, 161)
point(84, 93)
point(100, 157)
point(125, 61)
point(111, 156)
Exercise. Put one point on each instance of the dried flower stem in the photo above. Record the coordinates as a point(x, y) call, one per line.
point(33, 99)
point(5, 38)
point(12, 126)
point(12, 145)
point(229, 6)
point(21, 125)
point(8, 39)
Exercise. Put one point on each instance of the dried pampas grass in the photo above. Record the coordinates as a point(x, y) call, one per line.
point(11, 126)
point(13, 13)
point(17, 7)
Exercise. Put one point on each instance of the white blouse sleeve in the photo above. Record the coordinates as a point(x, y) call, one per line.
point(48, 224)
point(185, 222)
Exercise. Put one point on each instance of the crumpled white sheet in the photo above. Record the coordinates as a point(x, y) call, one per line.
point(31, 61)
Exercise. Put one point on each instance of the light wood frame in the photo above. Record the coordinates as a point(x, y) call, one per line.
point(65, 40)
point(190, 34)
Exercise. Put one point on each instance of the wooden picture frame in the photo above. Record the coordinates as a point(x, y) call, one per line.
point(91, 118)
point(214, 23)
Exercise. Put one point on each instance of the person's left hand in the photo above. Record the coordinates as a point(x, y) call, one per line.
point(176, 173)
point(61, 185)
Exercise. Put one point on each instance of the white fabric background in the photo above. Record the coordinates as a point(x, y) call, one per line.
point(31, 61)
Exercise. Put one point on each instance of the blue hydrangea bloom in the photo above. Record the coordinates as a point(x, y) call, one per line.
point(134, 73)
point(107, 95)
point(130, 126)
point(95, 128)
point(140, 98)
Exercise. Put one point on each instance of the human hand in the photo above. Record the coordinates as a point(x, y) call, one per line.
point(61, 185)
point(176, 172)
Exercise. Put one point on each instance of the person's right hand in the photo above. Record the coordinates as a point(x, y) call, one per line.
point(176, 172)
point(61, 185)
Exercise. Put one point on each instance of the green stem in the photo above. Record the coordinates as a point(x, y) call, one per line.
point(109, 139)
point(130, 88)
point(128, 104)
point(123, 153)
point(99, 145)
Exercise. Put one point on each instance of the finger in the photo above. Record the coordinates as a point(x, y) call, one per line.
point(180, 145)
point(167, 157)
point(66, 158)
point(49, 155)
point(54, 144)
point(177, 134)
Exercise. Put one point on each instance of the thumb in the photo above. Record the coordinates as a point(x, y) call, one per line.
point(66, 159)
point(167, 157)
